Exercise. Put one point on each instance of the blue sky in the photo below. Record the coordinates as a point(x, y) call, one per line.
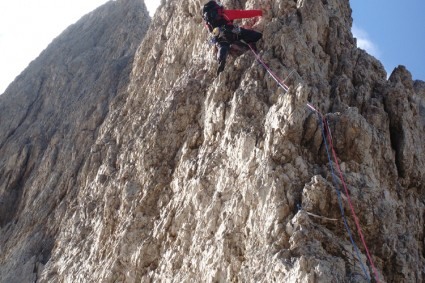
point(392, 31)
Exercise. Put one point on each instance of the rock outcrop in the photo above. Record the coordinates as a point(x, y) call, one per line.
point(49, 120)
point(191, 177)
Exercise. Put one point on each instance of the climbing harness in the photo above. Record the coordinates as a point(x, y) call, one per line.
point(330, 149)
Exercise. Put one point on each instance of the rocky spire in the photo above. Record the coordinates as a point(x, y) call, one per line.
point(49, 119)
point(193, 177)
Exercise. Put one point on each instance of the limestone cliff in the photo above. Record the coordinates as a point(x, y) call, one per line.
point(49, 119)
point(198, 178)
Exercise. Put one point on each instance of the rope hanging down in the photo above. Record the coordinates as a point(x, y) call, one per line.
point(338, 191)
point(329, 147)
point(272, 74)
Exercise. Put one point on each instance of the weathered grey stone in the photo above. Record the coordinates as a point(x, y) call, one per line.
point(49, 119)
point(190, 177)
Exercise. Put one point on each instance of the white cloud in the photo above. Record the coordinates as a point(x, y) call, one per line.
point(364, 42)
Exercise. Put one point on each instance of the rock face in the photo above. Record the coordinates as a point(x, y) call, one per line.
point(198, 178)
point(49, 120)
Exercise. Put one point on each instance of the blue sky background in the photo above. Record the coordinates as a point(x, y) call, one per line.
point(393, 31)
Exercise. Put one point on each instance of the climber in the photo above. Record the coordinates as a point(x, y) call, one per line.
point(219, 22)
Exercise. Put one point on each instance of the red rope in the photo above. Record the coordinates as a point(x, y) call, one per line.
point(356, 220)
point(274, 76)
